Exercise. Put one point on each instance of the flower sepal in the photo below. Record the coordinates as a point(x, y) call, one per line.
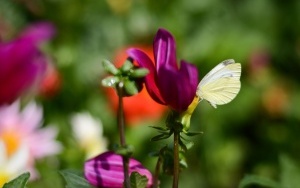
point(109, 67)
point(132, 87)
point(126, 151)
point(110, 81)
point(185, 117)
point(127, 66)
point(173, 121)
point(137, 180)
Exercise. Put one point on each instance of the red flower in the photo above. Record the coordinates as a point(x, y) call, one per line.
point(51, 82)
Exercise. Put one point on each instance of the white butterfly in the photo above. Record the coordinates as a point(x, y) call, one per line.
point(221, 84)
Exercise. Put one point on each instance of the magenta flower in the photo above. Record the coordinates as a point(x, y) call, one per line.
point(167, 83)
point(106, 170)
point(21, 62)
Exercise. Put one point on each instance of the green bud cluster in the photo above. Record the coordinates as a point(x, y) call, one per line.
point(128, 74)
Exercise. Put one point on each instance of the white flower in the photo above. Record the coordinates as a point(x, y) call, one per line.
point(13, 165)
point(89, 134)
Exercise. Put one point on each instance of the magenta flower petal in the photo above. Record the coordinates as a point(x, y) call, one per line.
point(167, 83)
point(106, 170)
point(21, 62)
point(164, 49)
point(174, 88)
point(190, 72)
point(150, 80)
point(38, 32)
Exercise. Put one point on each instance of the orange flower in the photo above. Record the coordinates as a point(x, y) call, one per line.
point(140, 107)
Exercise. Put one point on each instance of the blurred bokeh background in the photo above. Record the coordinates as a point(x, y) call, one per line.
point(257, 133)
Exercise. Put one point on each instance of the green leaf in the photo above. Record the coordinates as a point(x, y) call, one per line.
point(139, 73)
point(182, 161)
point(290, 172)
point(110, 81)
point(193, 133)
point(137, 180)
point(130, 87)
point(109, 67)
point(258, 180)
point(154, 154)
point(74, 179)
point(160, 137)
point(19, 182)
point(189, 145)
point(159, 128)
point(182, 145)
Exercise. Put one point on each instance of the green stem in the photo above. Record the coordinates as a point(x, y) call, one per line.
point(121, 126)
point(176, 159)
point(156, 174)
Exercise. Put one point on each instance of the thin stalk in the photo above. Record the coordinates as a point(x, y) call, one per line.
point(157, 171)
point(121, 126)
point(176, 160)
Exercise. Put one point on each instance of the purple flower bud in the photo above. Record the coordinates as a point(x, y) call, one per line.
point(167, 83)
point(106, 170)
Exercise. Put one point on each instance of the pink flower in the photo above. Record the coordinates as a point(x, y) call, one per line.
point(24, 128)
point(21, 62)
point(167, 83)
point(106, 170)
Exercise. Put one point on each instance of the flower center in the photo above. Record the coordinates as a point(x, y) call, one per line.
point(11, 140)
point(4, 178)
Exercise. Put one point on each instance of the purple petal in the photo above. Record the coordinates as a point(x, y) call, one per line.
point(190, 72)
point(21, 63)
point(14, 54)
point(23, 49)
point(38, 32)
point(151, 79)
point(19, 80)
point(174, 87)
point(164, 48)
point(106, 170)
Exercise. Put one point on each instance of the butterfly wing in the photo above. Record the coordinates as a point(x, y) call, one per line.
point(221, 84)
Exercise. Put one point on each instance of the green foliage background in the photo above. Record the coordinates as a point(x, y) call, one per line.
point(247, 136)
